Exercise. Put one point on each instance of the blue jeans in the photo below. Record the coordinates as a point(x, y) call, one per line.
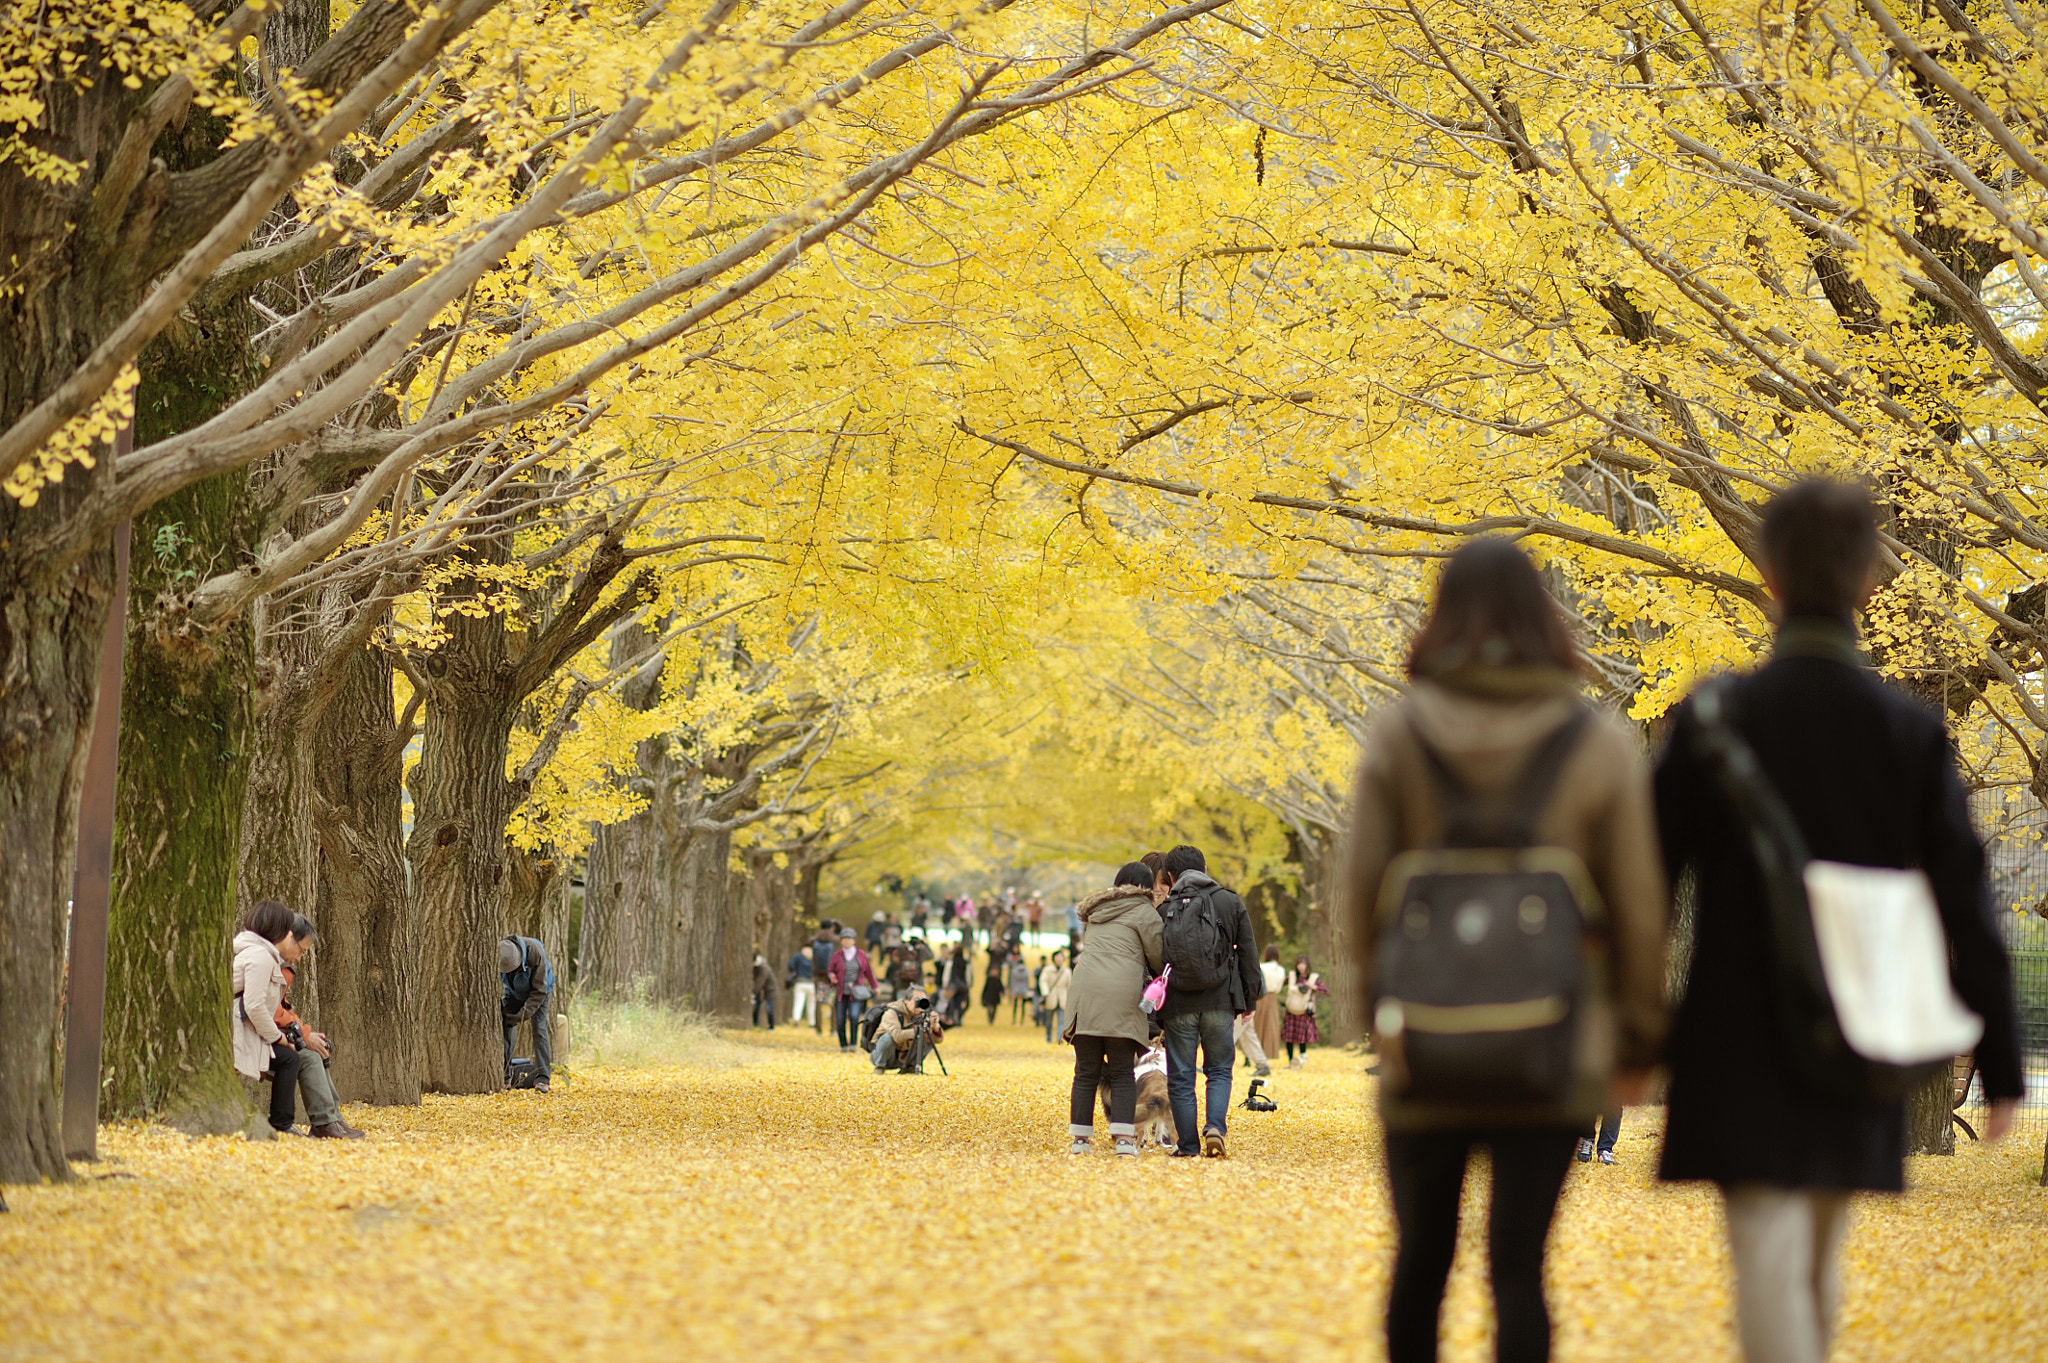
point(1183, 1031)
point(1055, 1023)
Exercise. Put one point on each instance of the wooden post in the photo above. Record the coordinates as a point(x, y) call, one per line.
point(92, 881)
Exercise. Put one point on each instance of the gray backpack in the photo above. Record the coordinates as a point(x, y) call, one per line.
point(1480, 971)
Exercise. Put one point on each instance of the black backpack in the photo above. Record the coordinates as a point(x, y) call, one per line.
point(1193, 941)
point(1480, 973)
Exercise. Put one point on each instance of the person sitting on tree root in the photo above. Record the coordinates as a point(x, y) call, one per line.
point(529, 982)
point(323, 1108)
point(258, 977)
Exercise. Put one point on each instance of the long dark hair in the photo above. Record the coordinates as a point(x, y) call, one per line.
point(1491, 611)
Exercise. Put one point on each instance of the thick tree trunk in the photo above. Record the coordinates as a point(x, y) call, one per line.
point(369, 935)
point(276, 860)
point(1330, 937)
point(50, 642)
point(461, 801)
point(186, 735)
point(1929, 1129)
point(705, 962)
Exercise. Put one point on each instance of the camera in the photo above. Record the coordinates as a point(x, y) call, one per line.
point(923, 1005)
point(1255, 1102)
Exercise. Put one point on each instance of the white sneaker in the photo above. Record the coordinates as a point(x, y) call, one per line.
point(1127, 1145)
point(1081, 1146)
point(1607, 1157)
point(1585, 1151)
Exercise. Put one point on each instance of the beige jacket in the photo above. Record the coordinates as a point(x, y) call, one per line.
point(1488, 725)
point(258, 984)
point(1052, 984)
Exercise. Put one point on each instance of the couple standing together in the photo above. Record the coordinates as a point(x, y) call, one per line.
point(1493, 734)
point(1164, 913)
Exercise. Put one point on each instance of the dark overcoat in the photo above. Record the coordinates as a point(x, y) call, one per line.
point(1870, 777)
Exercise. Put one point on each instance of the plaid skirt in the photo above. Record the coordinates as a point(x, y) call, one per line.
point(1299, 1029)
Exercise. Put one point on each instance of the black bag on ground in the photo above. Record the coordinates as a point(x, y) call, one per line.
point(1192, 940)
point(1481, 970)
point(523, 1074)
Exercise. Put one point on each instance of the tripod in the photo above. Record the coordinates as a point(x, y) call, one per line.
point(924, 1038)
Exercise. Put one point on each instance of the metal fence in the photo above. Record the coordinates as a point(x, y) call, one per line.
point(2019, 891)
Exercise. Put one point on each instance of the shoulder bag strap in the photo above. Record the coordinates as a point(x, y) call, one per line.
point(1779, 849)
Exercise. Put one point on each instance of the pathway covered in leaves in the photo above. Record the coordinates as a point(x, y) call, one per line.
point(788, 1204)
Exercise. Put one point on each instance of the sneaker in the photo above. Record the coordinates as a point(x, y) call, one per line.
point(1263, 1072)
point(1178, 1153)
point(1212, 1144)
point(1607, 1157)
point(1081, 1146)
point(1585, 1151)
point(1127, 1145)
point(1294, 1064)
point(541, 1086)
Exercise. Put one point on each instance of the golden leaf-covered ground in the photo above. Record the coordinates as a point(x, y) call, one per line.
point(796, 1206)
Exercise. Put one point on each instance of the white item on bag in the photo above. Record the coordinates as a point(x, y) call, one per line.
point(1886, 961)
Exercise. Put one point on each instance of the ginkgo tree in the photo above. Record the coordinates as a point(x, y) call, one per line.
point(424, 148)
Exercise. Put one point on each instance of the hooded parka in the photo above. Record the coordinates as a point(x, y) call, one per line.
point(1120, 951)
point(1488, 723)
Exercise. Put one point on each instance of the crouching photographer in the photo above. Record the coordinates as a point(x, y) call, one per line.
point(908, 1031)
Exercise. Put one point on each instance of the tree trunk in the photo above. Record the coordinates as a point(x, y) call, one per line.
point(461, 802)
point(276, 859)
point(186, 735)
point(622, 909)
point(1929, 1130)
point(1330, 937)
point(369, 936)
point(51, 628)
point(705, 962)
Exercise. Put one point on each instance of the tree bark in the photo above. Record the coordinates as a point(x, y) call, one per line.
point(369, 935)
point(461, 801)
point(1929, 1129)
point(186, 735)
point(276, 858)
point(51, 628)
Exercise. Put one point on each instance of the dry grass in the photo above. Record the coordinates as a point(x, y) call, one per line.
point(632, 1033)
point(803, 1208)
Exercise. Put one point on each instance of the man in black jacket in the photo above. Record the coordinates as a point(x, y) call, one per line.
point(1208, 942)
point(1870, 779)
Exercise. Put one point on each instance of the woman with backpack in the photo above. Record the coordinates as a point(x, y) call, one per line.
point(1121, 950)
point(1497, 822)
point(1299, 1026)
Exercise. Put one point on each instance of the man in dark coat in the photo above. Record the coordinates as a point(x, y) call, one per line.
point(1870, 778)
point(1205, 1016)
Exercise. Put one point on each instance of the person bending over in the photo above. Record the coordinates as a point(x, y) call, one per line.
point(529, 981)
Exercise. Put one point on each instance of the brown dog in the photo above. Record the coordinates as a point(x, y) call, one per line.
point(1154, 1118)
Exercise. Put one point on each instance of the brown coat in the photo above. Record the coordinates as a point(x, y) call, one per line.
point(1488, 725)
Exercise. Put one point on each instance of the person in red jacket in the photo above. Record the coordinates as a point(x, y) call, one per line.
point(852, 977)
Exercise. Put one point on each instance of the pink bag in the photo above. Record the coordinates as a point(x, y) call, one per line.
point(1154, 997)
